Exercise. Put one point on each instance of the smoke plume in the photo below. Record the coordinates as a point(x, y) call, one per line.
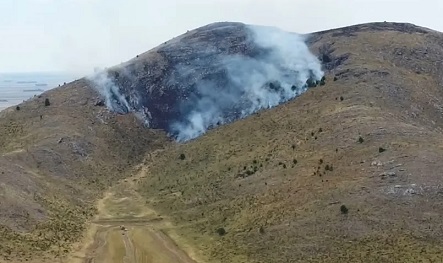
point(268, 80)
point(209, 86)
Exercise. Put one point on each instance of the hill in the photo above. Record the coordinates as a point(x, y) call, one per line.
point(346, 172)
point(58, 153)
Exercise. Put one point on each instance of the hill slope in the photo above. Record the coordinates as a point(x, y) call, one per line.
point(344, 173)
point(369, 140)
point(55, 160)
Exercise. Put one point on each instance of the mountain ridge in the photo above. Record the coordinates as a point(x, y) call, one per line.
point(369, 139)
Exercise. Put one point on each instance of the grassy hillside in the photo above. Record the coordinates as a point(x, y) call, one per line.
point(56, 158)
point(348, 172)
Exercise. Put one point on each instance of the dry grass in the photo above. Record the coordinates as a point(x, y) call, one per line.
point(267, 180)
point(275, 182)
point(55, 161)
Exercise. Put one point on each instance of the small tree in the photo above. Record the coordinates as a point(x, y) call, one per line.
point(344, 210)
point(221, 231)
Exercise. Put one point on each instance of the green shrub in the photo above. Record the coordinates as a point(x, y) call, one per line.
point(221, 231)
point(47, 103)
point(344, 210)
point(360, 139)
point(182, 156)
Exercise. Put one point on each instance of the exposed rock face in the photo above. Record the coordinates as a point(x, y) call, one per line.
point(210, 76)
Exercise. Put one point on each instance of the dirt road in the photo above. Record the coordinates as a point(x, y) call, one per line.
point(126, 231)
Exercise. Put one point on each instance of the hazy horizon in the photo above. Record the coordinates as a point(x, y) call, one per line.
point(75, 36)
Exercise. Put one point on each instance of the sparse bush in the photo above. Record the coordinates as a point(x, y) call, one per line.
point(335, 78)
point(341, 98)
point(327, 167)
point(182, 156)
point(254, 162)
point(381, 149)
point(360, 139)
point(17, 108)
point(344, 210)
point(323, 81)
point(311, 83)
point(284, 166)
point(47, 103)
point(221, 231)
point(261, 230)
point(320, 130)
point(295, 161)
point(293, 147)
point(320, 161)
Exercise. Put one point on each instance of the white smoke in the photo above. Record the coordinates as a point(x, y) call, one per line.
point(288, 64)
point(114, 100)
point(277, 73)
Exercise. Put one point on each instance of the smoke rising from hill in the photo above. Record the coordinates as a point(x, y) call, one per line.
point(257, 83)
point(211, 86)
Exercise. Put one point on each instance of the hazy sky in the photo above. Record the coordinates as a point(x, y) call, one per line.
point(78, 35)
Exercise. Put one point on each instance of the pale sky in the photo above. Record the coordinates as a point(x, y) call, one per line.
point(78, 35)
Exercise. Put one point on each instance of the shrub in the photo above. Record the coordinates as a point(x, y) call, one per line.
point(335, 78)
point(344, 210)
point(221, 231)
point(320, 161)
point(341, 98)
point(311, 83)
point(17, 108)
point(320, 130)
point(323, 81)
point(293, 147)
point(47, 103)
point(261, 230)
point(381, 149)
point(295, 161)
point(360, 139)
point(182, 156)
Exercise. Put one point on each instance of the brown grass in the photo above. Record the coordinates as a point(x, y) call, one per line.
point(55, 161)
point(243, 176)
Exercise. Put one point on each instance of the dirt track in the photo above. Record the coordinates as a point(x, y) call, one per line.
point(126, 231)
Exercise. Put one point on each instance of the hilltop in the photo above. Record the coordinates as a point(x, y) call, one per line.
point(347, 171)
